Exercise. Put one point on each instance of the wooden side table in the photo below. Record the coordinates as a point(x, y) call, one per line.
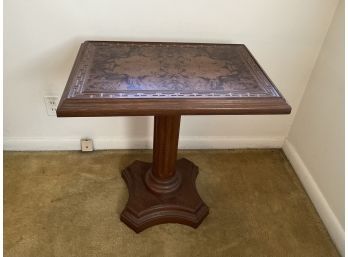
point(166, 80)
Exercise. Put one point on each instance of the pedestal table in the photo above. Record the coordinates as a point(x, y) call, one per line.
point(166, 80)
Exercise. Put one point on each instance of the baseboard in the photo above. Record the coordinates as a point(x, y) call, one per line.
point(212, 142)
point(330, 220)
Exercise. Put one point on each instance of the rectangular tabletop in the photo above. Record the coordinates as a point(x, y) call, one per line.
point(140, 78)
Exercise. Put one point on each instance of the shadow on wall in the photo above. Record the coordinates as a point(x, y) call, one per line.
point(141, 130)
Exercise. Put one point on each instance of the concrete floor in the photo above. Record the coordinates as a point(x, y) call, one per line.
point(62, 204)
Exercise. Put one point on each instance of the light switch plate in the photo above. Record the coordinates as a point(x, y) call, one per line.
point(86, 145)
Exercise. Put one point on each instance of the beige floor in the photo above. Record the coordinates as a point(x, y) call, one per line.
point(62, 204)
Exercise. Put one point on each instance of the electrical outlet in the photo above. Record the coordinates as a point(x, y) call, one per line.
point(51, 103)
point(86, 145)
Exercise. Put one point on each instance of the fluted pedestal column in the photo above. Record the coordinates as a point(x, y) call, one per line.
point(164, 191)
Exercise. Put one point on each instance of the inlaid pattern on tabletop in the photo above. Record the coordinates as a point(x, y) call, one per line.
point(157, 70)
point(119, 78)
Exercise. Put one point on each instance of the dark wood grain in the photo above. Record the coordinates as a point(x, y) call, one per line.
point(163, 178)
point(146, 208)
point(165, 190)
point(140, 78)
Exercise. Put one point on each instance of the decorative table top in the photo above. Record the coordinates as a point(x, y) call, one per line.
point(140, 78)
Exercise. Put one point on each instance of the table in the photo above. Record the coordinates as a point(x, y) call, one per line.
point(166, 80)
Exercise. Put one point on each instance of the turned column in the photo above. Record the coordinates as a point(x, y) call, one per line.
point(162, 177)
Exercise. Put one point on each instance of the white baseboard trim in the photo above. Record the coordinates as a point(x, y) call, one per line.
point(330, 220)
point(211, 142)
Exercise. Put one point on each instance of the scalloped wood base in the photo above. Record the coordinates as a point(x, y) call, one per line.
point(146, 208)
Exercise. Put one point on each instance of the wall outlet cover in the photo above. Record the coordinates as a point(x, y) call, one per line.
point(86, 145)
point(51, 103)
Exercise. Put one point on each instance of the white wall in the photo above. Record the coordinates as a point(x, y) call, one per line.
point(316, 141)
point(41, 39)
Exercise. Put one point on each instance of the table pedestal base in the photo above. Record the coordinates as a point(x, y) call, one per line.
point(146, 208)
